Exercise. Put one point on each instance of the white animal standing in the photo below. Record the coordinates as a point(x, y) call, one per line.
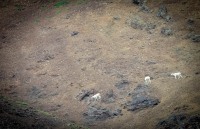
point(96, 97)
point(177, 75)
point(147, 80)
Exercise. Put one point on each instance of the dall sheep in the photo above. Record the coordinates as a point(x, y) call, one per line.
point(177, 75)
point(96, 97)
point(147, 80)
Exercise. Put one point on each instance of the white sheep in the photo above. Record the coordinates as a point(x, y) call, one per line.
point(147, 80)
point(96, 97)
point(177, 75)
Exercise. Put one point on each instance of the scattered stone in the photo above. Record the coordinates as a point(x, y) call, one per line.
point(74, 33)
point(116, 18)
point(181, 108)
point(141, 90)
point(141, 102)
point(168, 18)
point(139, 2)
point(163, 13)
point(67, 16)
point(144, 8)
point(138, 23)
point(142, 4)
point(166, 31)
point(46, 57)
point(85, 94)
point(109, 97)
point(122, 84)
point(141, 99)
point(150, 27)
point(180, 121)
point(149, 62)
point(195, 38)
point(197, 73)
point(99, 113)
point(190, 21)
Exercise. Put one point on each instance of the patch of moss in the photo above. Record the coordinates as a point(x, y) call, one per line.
point(21, 104)
point(43, 113)
point(61, 3)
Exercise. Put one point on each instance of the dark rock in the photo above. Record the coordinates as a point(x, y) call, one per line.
point(138, 23)
point(122, 84)
point(168, 18)
point(195, 38)
point(74, 33)
point(141, 102)
point(84, 94)
point(149, 27)
point(197, 73)
point(139, 2)
point(162, 11)
point(141, 90)
point(117, 112)
point(109, 97)
point(141, 99)
point(144, 8)
point(149, 62)
point(181, 121)
point(181, 108)
point(46, 57)
point(116, 18)
point(98, 113)
point(166, 31)
point(190, 21)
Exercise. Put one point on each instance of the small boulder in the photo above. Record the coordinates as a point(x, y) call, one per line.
point(138, 23)
point(145, 8)
point(109, 97)
point(194, 37)
point(162, 11)
point(139, 2)
point(141, 102)
point(180, 121)
point(99, 113)
point(141, 99)
point(122, 84)
point(166, 31)
point(84, 94)
point(74, 33)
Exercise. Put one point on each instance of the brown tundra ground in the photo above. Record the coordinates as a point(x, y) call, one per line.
point(50, 52)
